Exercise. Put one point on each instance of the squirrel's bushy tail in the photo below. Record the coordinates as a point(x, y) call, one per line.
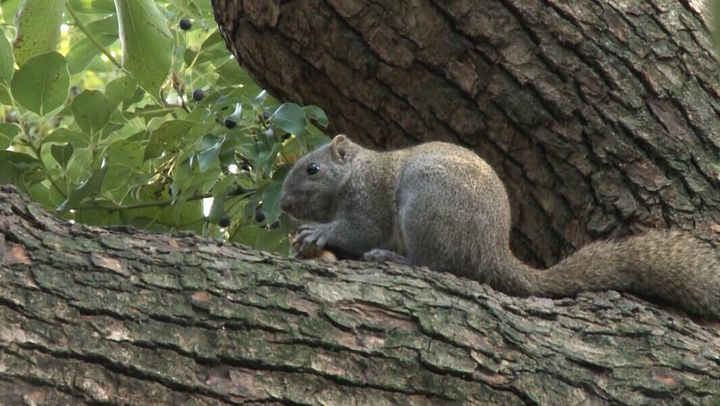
point(670, 266)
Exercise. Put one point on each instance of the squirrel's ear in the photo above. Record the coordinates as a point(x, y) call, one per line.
point(342, 148)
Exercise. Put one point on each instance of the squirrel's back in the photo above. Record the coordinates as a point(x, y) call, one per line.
point(454, 215)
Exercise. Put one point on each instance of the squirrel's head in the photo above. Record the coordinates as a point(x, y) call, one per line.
point(310, 191)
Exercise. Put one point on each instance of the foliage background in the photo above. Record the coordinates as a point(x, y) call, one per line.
point(119, 113)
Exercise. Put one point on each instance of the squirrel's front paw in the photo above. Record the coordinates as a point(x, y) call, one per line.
point(316, 234)
point(311, 235)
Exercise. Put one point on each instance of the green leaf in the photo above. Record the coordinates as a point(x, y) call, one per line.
point(258, 100)
point(8, 131)
point(13, 165)
point(92, 6)
point(120, 181)
point(124, 152)
point(281, 173)
point(317, 114)
point(204, 7)
point(120, 89)
point(5, 94)
point(102, 217)
point(188, 56)
point(38, 28)
point(146, 42)
point(209, 150)
point(211, 49)
point(82, 52)
point(148, 111)
point(91, 110)
point(272, 240)
point(7, 65)
point(271, 200)
point(45, 194)
point(6, 59)
point(114, 129)
point(217, 210)
point(266, 157)
point(63, 135)
point(18, 159)
point(9, 9)
point(61, 153)
point(41, 84)
point(90, 187)
point(230, 73)
point(290, 117)
point(166, 138)
point(187, 7)
point(136, 97)
point(79, 165)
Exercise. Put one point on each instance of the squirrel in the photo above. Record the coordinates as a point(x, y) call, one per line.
point(440, 205)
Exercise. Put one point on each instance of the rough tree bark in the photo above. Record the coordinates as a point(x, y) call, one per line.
point(124, 317)
point(601, 116)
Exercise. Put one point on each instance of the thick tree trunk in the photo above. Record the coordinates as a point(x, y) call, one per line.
point(120, 316)
point(601, 116)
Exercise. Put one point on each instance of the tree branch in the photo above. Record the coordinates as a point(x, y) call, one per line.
point(117, 315)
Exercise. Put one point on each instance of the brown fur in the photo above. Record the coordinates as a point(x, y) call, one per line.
point(441, 206)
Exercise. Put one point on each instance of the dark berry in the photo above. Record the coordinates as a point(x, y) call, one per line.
point(185, 24)
point(259, 216)
point(224, 221)
point(275, 224)
point(198, 94)
point(266, 115)
point(230, 123)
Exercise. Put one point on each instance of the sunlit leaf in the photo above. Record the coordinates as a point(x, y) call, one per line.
point(9, 9)
point(41, 84)
point(290, 117)
point(38, 28)
point(120, 89)
point(152, 150)
point(146, 42)
point(7, 60)
point(271, 200)
point(63, 135)
point(317, 114)
point(258, 100)
point(8, 131)
point(124, 152)
point(209, 150)
point(92, 6)
point(103, 31)
point(90, 187)
point(166, 138)
point(91, 110)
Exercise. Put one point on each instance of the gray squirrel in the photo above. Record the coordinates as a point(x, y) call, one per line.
point(441, 206)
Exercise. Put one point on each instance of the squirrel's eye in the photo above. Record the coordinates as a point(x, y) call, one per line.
point(313, 168)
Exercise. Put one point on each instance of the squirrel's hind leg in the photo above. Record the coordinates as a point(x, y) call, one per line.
point(381, 255)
